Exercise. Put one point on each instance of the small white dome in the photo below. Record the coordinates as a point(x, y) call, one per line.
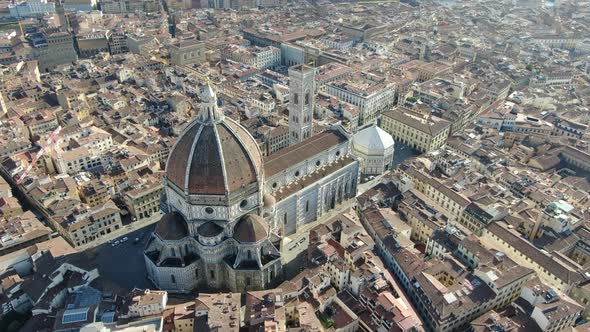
point(373, 139)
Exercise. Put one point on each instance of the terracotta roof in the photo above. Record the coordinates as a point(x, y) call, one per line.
point(175, 169)
point(206, 173)
point(172, 227)
point(220, 157)
point(297, 153)
point(251, 228)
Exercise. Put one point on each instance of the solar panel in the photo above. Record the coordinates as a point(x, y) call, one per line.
point(75, 315)
point(108, 317)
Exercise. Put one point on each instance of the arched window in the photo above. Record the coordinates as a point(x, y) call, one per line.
point(249, 254)
point(173, 278)
point(296, 98)
point(306, 206)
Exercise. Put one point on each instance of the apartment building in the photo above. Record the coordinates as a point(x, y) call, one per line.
point(98, 222)
point(275, 140)
point(144, 199)
point(442, 195)
point(551, 310)
point(76, 160)
point(95, 193)
point(423, 215)
point(370, 93)
point(41, 122)
point(424, 133)
point(552, 269)
point(118, 42)
point(143, 303)
point(255, 56)
point(217, 312)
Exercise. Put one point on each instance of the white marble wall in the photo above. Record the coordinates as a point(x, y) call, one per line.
point(305, 167)
point(317, 197)
point(177, 202)
point(185, 278)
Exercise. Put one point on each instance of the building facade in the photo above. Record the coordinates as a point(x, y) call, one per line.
point(424, 133)
point(187, 52)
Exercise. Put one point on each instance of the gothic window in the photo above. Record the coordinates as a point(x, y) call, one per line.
point(249, 254)
point(285, 218)
point(306, 206)
point(212, 274)
point(172, 252)
point(173, 278)
point(307, 98)
point(296, 98)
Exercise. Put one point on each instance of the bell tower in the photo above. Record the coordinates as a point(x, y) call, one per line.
point(301, 102)
point(64, 24)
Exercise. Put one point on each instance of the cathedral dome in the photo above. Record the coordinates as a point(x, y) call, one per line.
point(172, 227)
point(214, 155)
point(251, 228)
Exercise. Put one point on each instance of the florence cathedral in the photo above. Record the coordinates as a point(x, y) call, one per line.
point(229, 206)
